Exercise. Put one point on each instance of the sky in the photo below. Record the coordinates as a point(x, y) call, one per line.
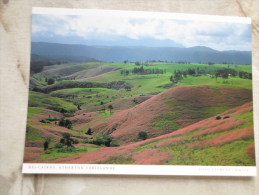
point(136, 31)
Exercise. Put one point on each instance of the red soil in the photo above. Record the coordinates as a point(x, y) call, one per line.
point(233, 136)
point(133, 120)
point(106, 153)
point(151, 157)
point(247, 107)
point(37, 143)
point(98, 156)
point(251, 150)
point(125, 103)
point(32, 153)
point(226, 138)
point(223, 125)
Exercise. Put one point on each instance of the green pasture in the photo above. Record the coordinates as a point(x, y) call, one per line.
point(57, 153)
point(44, 100)
point(141, 85)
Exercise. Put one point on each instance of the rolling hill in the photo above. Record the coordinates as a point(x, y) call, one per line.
point(170, 110)
point(113, 113)
point(227, 141)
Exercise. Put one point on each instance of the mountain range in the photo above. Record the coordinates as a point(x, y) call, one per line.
point(198, 54)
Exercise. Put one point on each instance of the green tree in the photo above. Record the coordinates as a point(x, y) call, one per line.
point(110, 108)
point(51, 81)
point(89, 132)
point(67, 140)
point(142, 135)
point(65, 123)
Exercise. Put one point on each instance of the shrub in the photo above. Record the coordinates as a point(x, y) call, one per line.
point(46, 145)
point(102, 139)
point(88, 141)
point(48, 120)
point(44, 121)
point(65, 123)
point(89, 132)
point(52, 118)
point(51, 81)
point(142, 135)
point(218, 117)
point(59, 145)
point(114, 143)
point(67, 140)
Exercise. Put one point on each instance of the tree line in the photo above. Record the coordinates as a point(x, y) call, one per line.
point(141, 70)
point(223, 73)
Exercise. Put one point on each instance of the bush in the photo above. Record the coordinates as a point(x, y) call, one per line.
point(48, 120)
point(218, 117)
point(142, 135)
point(51, 81)
point(52, 119)
point(102, 139)
point(114, 143)
point(89, 132)
point(65, 123)
point(44, 121)
point(67, 140)
point(59, 145)
point(88, 141)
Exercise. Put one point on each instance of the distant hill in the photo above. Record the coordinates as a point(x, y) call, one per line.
point(199, 54)
point(39, 61)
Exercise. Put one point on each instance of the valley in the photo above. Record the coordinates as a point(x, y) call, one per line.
point(152, 112)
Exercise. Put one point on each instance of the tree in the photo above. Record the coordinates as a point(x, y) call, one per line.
point(89, 132)
point(142, 135)
point(46, 145)
point(103, 139)
point(51, 81)
point(218, 117)
point(65, 123)
point(67, 140)
point(110, 108)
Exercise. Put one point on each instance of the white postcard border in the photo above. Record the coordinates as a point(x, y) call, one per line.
point(110, 169)
point(141, 14)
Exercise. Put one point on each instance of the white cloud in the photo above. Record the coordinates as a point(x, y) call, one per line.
point(221, 36)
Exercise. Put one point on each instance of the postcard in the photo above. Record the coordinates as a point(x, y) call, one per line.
point(144, 93)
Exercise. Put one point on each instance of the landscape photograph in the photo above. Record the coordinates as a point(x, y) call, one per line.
point(134, 89)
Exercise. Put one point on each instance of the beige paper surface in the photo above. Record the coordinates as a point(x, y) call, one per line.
point(15, 28)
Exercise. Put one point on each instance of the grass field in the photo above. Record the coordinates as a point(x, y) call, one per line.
point(113, 109)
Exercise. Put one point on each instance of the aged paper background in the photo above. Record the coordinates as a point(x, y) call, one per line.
point(15, 28)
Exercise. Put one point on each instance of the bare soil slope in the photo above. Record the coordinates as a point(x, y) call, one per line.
point(158, 150)
point(183, 105)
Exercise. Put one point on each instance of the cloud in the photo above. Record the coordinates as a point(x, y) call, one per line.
point(217, 35)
